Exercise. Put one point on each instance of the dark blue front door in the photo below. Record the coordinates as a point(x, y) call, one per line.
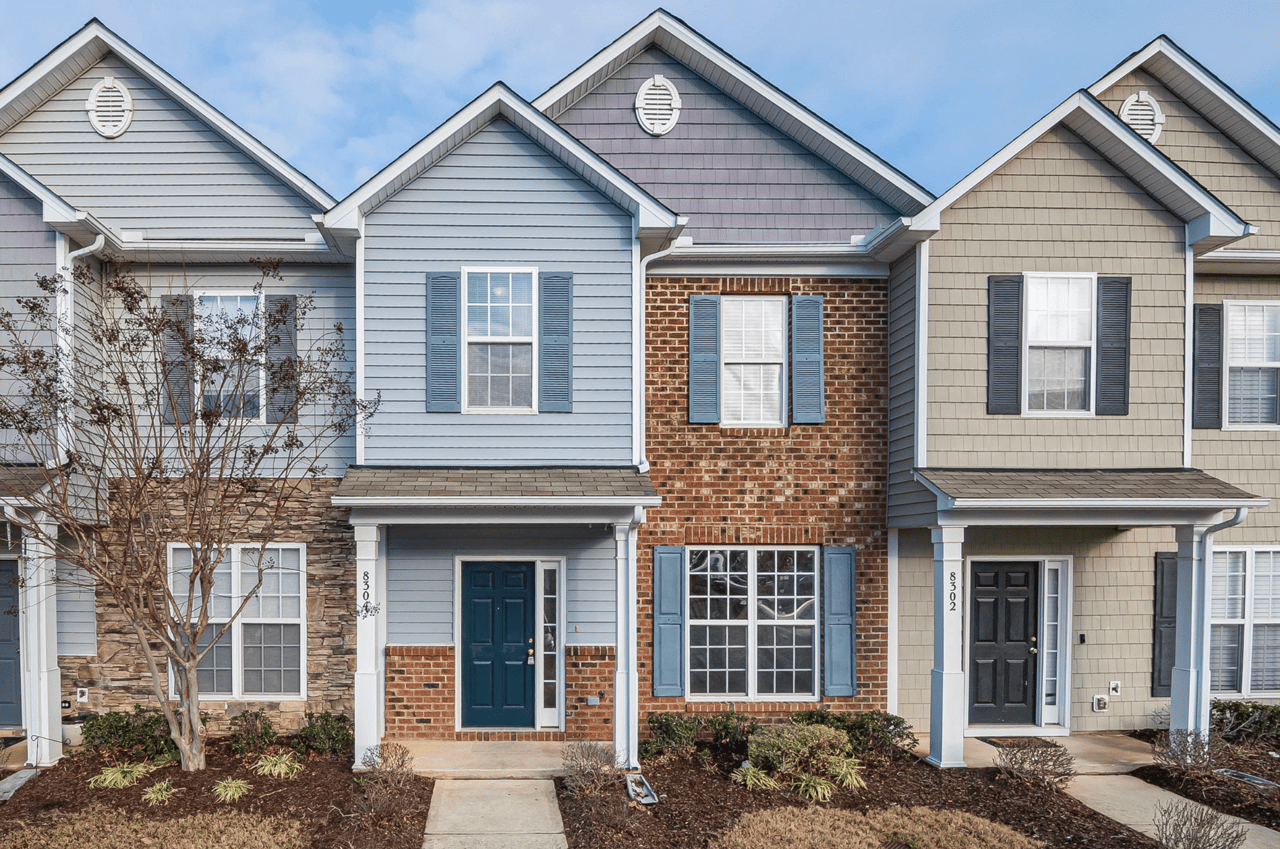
point(10, 676)
point(497, 645)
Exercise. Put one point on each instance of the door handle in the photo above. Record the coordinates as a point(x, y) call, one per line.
point(530, 652)
point(1034, 650)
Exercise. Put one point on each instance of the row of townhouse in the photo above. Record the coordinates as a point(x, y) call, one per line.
point(690, 401)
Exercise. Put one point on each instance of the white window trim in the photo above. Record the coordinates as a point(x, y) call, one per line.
point(784, 362)
point(540, 563)
point(262, 363)
point(752, 693)
point(467, 339)
point(1246, 623)
point(238, 692)
point(1024, 376)
point(1225, 382)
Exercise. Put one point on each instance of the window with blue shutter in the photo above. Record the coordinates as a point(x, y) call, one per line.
point(668, 621)
point(704, 359)
point(807, 400)
point(444, 342)
point(555, 342)
point(839, 626)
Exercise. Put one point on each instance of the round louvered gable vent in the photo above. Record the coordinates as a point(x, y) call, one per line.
point(657, 105)
point(110, 107)
point(1141, 112)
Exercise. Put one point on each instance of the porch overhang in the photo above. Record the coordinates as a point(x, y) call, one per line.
point(1100, 497)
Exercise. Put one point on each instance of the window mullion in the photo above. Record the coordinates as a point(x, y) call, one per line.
point(1246, 638)
point(752, 689)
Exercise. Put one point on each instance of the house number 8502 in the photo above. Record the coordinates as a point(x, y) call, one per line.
point(951, 597)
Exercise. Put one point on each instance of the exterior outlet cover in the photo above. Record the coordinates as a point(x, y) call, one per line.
point(1099, 704)
point(1113, 689)
point(592, 701)
point(82, 694)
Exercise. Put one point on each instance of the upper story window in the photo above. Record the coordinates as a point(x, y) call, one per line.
point(1244, 639)
point(231, 322)
point(500, 344)
point(1058, 344)
point(1253, 363)
point(753, 360)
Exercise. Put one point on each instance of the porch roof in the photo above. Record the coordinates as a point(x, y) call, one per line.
point(365, 486)
point(19, 481)
point(1082, 496)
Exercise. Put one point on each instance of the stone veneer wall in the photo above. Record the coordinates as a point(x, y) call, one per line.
point(811, 484)
point(117, 678)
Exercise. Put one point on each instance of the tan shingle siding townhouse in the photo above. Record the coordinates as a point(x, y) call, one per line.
point(691, 402)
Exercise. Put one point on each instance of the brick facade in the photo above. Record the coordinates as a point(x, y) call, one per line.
point(812, 484)
point(421, 699)
point(117, 678)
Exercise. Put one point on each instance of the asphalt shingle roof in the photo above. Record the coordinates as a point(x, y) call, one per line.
point(574, 482)
point(1178, 484)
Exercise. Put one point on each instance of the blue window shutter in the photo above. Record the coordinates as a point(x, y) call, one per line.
point(1114, 298)
point(668, 621)
point(178, 389)
point(704, 359)
point(1004, 344)
point(807, 402)
point(281, 323)
point(1206, 367)
point(1165, 634)
point(839, 647)
point(555, 342)
point(444, 342)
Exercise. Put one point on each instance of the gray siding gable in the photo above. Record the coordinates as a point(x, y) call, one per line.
point(499, 199)
point(27, 244)
point(738, 178)
point(170, 174)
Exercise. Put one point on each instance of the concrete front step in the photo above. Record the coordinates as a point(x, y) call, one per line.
point(486, 814)
point(476, 760)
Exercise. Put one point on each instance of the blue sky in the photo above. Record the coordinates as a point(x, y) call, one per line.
point(340, 89)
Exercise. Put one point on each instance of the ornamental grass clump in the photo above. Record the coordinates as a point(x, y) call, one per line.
point(231, 789)
point(278, 765)
point(159, 793)
point(119, 776)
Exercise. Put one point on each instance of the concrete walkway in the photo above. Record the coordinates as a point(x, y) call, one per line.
point(494, 814)
point(1101, 783)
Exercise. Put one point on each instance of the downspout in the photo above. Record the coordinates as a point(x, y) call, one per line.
point(1201, 660)
point(97, 245)
point(643, 465)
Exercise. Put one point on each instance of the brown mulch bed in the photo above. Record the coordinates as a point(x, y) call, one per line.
point(701, 803)
point(1223, 793)
point(324, 797)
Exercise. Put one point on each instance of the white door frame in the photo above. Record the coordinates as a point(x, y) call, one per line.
point(1065, 564)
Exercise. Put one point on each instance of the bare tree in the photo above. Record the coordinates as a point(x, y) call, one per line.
point(143, 419)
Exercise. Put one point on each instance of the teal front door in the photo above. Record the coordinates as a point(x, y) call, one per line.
point(497, 645)
point(10, 675)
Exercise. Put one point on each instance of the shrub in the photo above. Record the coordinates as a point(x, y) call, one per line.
point(731, 729)
point(388, 783)
point(278, 765)
point(874, 732)
point(668, 732)
point(141, 734)
point(590, 767)
point(325, 734)
point(390, 764)
point(1245, 721)
point(1186, 825)
point(119, 776)
point(824, 828)
point(815, 788)
point(1051, 765)
point(1188, 753)
point(231, 789)
point(796, 748)
point(107, 828)
point(251, 732)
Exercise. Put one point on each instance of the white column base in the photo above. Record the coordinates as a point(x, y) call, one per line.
point(946, 719)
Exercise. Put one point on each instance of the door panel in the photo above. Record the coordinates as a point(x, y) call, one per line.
point(1003, 650)
point(497, 628)
point(10, 668)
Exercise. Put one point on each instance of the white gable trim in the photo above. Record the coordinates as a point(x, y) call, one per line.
point(1205, 93)
point(1211, 224)
point(501, 102)
point(674, 36)
point(81, 51)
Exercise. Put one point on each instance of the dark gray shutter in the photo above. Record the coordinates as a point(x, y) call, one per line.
point(444, 342)
point(704, 359)
point(281, 326)
point(839, 629)
point(668, 621)
point(1114, 306)
point(1004, 344)
point(807, 402)
point(178, 387)
point(555, 342)
point(1206, 371)
point(1164, 637)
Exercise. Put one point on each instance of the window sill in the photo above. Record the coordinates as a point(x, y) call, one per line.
point(500, 411)
point(1261, 427)
point(1058, 414)
point(251, 697)
point(762, 700)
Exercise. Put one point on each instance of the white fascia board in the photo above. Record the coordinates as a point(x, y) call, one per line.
point(1230, 261)
point(496, 501)
point(501, 101)
point(1159, 177)
point(54, 207)
point(835, 260)
point(1106, 503)
point(674, 36)
point(588, 515)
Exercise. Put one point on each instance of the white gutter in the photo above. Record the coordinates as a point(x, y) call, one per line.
point(1105, 503)
point(638, 349)
point(498, 501)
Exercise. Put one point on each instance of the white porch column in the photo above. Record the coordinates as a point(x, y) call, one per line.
point(1189, 702)
point(370, 612)
point(41, 677)
point(947, 696)
point(626, 698)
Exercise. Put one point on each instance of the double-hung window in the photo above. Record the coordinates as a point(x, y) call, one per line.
point(1253, 363)
point(1244, 641)
point(500, 343)
point(263, 653)
point(1059, 343)
point(753, 332)
point(753, 622)
point(231, 323)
